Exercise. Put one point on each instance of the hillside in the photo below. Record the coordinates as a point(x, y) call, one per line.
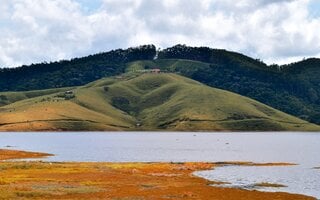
point(292, 88)
point(148, 101)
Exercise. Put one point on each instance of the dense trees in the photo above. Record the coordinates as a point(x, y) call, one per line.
point(74, 72)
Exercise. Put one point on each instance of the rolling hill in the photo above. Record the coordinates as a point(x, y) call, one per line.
point(292, 88)
point(141, 101)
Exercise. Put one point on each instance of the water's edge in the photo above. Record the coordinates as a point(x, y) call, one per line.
point(258, 147)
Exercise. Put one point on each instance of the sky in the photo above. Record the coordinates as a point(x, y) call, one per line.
point(275, 31)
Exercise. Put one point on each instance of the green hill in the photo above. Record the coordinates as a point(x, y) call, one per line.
point(292, 88)
point(142, 101)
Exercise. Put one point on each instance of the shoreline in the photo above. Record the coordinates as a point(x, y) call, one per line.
point(7, 154)
point(105, 180)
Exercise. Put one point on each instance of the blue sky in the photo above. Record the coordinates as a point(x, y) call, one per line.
point(314, 7)
point(275, 31)
point(90, 5)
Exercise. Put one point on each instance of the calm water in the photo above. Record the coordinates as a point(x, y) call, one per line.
point(300, 148)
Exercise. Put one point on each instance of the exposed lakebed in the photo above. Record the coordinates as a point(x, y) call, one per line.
point(300, 148)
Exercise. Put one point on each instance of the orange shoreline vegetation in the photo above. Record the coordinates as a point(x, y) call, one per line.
point(13, 154)
point(119, 181)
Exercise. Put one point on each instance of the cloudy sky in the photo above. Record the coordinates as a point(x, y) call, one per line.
point(276, 31)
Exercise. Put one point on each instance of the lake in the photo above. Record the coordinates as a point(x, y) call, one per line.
point(300, 148)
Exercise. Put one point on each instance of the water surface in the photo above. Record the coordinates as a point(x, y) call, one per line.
point(300, 148)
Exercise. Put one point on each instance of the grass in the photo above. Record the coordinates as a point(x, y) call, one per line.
point(12, 154)
point(41, 180)
point(170, 65)
point(151, 101)
point(56, 180)
point(11, 97)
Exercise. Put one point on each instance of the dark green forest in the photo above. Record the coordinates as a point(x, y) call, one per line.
point(292, 88)
point(73, 72)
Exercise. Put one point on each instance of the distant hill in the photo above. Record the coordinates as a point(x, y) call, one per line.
point(292, 88)
point(147, 101)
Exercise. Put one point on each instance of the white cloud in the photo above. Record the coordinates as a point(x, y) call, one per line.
point(43, 30)
point(46, 30)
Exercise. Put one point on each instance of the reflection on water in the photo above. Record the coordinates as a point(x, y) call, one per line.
point(300, 148)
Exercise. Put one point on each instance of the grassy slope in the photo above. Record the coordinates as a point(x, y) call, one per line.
point(157, 101)
point(294, 89)
point(170, 65)
point(11, 97)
